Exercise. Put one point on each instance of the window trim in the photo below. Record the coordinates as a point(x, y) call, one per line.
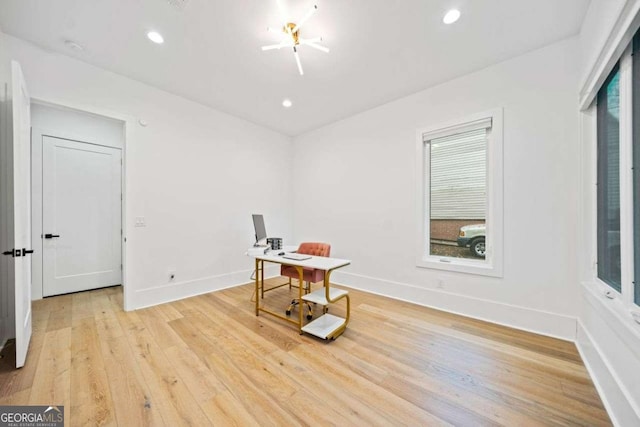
point(493, 263)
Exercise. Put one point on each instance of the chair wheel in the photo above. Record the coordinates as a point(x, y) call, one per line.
point(309, 316)
point(288, 312)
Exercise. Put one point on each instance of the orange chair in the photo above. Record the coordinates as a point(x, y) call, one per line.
point(309, 275)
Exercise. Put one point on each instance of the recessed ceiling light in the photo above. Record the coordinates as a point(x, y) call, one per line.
point(451, 16)
point(287, 103)
point(155, 37)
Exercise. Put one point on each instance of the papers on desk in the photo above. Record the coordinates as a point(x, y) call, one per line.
point(297, 257)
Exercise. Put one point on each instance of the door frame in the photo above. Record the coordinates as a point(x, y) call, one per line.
point(128, 127)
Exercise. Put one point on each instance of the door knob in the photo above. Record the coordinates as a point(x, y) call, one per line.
point(51, 236)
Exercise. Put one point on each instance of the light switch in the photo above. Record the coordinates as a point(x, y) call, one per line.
point(140, 222)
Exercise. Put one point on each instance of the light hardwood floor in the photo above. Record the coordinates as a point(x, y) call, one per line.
point(208, 360)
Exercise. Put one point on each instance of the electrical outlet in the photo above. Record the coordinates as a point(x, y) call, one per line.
point(140, 222)
point(440, 283)
point(172, 275)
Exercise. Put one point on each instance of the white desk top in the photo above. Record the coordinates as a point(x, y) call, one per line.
point(318, 262)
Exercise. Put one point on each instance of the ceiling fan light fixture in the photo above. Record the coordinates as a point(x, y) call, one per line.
point(291, 36)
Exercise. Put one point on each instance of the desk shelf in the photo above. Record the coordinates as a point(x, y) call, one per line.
point(324, 326)
point(319, 296)
point(327, 325)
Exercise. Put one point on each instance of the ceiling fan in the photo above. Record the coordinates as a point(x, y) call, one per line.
point(290, 33)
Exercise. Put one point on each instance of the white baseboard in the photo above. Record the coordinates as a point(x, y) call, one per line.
point(526, 319)
point(176, 291)
point(614, 397)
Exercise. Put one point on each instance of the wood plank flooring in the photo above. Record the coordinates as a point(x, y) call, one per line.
point(208, 360)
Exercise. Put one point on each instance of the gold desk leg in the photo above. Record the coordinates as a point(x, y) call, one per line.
point(342, 328)
point(300, 305)
point(257, 287)
point(262, 278)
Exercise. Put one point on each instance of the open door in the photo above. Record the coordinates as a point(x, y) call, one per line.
point(16, 201)
point(22, 210)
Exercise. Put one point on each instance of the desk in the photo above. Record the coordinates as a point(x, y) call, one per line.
point(260, 250)
point(326, 326)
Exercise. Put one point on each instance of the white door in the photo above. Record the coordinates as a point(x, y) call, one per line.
point(81, 216)
point(16, 201)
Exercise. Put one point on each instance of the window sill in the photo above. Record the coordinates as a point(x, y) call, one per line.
point(481, 268)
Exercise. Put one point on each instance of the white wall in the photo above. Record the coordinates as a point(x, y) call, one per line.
point(86, 127)
point(608, 338)
point(194, 173)
point(356, 181)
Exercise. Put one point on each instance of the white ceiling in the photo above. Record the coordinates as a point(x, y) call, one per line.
point(381, 50)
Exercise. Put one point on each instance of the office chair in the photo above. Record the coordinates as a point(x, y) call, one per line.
point(309, 275)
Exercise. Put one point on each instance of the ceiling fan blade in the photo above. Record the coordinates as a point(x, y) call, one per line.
point(305, 18)
point(317, 46)
point(295, 53)
point(313, 40)
point(276, 46)
point(283, 15)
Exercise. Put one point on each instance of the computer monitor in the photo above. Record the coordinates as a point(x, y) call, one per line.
point(258, 225)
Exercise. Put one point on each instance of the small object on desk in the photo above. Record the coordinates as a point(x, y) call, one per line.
point(281, 253)
point(256, 251)
point(275, 243)
point(297, 257)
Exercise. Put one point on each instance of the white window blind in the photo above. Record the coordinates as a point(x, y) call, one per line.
point(457, 185)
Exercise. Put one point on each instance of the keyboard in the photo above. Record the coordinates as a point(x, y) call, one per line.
point(297, 257)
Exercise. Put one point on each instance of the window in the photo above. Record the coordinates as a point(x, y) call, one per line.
point(608, 181)
point(618, 178)
point(460, 195)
